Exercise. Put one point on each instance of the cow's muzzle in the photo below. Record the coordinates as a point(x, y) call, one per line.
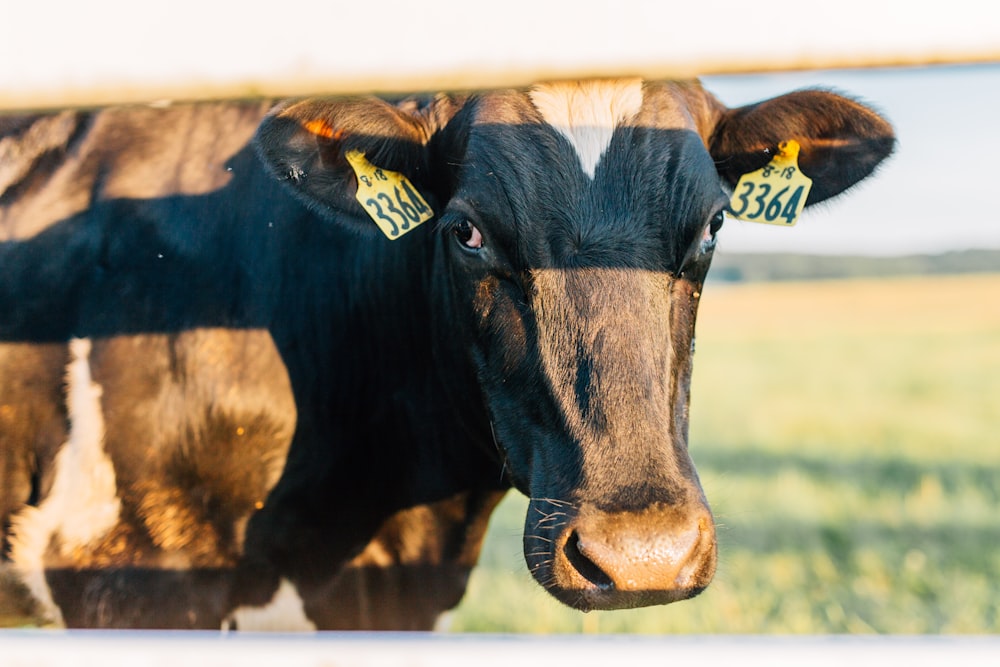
point(589, 558)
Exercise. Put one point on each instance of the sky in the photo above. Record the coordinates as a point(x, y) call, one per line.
point(938, 192)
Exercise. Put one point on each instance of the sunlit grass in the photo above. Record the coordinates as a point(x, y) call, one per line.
point(848, 437)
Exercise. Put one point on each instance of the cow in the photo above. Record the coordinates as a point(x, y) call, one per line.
point(230, 399)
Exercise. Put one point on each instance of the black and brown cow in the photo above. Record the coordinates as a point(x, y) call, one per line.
point(224, 391)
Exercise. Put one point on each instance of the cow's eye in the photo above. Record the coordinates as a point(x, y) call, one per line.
point(468, 235)
point(713, 227)
point(716, 224)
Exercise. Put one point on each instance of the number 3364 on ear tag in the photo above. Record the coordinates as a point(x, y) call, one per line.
point(775, 194)
point(388, 197)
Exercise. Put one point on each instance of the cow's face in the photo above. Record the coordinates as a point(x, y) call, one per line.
point(580, 221)
point(578, 238)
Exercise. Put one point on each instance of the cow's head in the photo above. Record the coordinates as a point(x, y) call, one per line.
point(577, 222)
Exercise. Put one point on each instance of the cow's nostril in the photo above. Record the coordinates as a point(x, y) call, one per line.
point(587, 568)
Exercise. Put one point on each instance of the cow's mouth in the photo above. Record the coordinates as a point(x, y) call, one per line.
point(590, 558)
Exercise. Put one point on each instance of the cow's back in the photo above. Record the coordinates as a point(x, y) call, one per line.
point(56, 165)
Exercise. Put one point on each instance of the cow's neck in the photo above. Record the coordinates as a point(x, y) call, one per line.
point(386, 372)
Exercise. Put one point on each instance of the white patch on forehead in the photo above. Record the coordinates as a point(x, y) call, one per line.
point(284, 613)
point(587, 113)
point(83, 503)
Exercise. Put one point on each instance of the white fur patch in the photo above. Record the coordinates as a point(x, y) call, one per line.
point(587, 113)
point(83, 504)
point(285, 613)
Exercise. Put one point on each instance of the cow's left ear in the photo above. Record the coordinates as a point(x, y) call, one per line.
point(841, 140)
point(305, 144)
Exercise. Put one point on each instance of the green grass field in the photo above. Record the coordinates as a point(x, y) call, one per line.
point(847, 434)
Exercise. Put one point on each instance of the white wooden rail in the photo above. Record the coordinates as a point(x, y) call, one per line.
point(169, 649)
point(66, 52)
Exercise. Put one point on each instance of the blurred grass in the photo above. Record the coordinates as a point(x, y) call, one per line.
point(848, 437)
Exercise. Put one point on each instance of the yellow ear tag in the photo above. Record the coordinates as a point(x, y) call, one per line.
point(388, 197)
point(775, 194)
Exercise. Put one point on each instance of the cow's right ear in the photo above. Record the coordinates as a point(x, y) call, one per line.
point(305, 143)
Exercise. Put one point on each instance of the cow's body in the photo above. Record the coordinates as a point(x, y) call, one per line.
point(218, 390)
point(170, 312)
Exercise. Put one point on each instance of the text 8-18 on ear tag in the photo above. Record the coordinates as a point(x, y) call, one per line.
point(388, 197)
point(774, 194)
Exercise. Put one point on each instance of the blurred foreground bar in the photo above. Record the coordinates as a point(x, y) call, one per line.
point(155, 649)
point(62, 53)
